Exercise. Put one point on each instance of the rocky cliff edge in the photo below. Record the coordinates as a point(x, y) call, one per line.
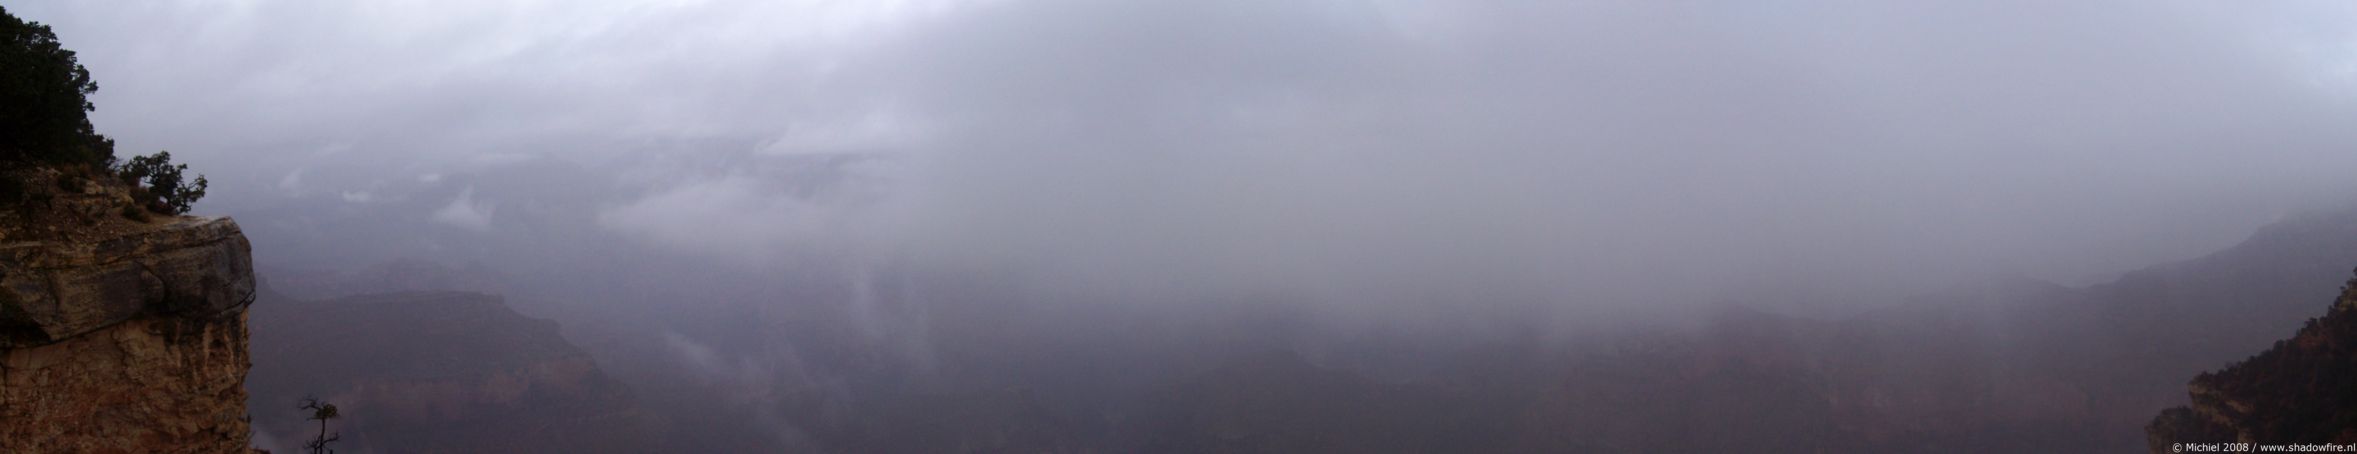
point(133, 341)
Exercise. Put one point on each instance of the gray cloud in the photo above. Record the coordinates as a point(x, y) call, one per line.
point(1578, 154)
point(464, 212)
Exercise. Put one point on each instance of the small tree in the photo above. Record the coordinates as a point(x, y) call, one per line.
point(44, 99)
point(165, 190)
point(321, 411)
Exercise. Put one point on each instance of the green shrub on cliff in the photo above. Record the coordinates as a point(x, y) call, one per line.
point(161, 185)
point(45, 122)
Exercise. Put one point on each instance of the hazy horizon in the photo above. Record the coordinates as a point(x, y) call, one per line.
point(819, 213)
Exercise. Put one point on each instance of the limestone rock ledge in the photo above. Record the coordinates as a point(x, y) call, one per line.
point(130, 343)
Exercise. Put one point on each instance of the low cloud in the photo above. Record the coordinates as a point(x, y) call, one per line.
point(466, 213)
point(1592, 154)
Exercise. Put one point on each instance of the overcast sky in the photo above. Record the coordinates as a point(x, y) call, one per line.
point(1342, 149)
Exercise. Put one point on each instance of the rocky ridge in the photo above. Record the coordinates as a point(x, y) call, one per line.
point(2298, 391)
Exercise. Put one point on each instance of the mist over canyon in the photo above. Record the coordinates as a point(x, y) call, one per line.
point(1075, 226)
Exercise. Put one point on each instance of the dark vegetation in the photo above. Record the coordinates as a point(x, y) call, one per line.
point(44, 100)
point(159, 184)
point(2297, 391)
point(320, 411)
point(48, 147)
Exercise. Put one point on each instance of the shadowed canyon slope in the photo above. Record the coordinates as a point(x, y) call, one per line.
point(2009, 365)
point(2001, 365)
point(435, 372)
point(2301, 390)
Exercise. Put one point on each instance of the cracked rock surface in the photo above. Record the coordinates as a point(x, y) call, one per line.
point(134, 342)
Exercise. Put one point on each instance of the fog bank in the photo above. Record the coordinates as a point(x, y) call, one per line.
point(1597, 155)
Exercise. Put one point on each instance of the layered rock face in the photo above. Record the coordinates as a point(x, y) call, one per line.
point(131, 342)
point(2303, 390)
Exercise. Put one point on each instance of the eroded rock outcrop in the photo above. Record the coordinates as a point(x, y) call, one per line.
point(130, 342)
